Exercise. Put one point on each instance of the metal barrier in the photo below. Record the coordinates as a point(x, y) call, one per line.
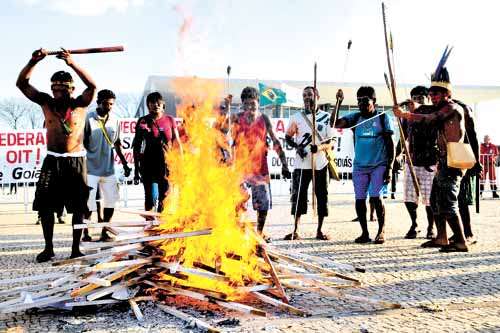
point(490, 170)
point(133, 195)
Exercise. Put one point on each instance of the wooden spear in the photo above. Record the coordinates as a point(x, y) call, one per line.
point(395, 102)
point(313, 164)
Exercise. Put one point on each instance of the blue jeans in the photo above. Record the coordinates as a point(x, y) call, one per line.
point(154, 191)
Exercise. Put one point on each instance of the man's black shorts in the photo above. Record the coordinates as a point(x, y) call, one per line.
point(445, 189)
point(62, 182)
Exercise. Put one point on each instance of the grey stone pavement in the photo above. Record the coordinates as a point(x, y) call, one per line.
point(439, 292)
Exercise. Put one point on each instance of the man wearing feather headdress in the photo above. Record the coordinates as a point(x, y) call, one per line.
point(449, 119)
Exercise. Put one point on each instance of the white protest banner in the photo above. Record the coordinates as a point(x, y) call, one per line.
point(21, 155)
point(22, 152)
point(343, 148)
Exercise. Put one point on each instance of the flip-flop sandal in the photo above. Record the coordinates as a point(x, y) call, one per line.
point(86, 238)
point(411, 234)
point(292, 236)
point(266, 238)
point(362, 240)
point(453, 248)
point(44, 256)
point(431, 244)
point(379, 240)
point(471, 240)
point(322, 236)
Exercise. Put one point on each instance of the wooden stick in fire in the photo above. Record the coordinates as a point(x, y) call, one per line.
point(119, 48)
point(274, 276)
point(395, 101)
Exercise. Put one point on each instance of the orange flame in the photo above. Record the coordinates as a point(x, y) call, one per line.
point(207, 194)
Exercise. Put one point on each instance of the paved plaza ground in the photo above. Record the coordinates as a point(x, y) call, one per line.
point(439, 292)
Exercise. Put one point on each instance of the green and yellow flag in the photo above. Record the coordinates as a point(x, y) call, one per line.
point(271, 96)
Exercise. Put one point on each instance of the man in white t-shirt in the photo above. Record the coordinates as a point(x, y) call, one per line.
point(298, 136)
point(101, 140)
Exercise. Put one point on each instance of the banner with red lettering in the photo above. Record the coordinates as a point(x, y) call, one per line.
point(21, 155)
point(22, 152)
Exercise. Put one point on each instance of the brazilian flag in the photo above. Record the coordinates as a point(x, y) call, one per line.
point(271, 96)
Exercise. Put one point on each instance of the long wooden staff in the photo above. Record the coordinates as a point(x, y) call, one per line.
point(229, 135)
point(313, 164)
point(477, 194)
point(395, 102)
point(340, 96)
point(91, 50)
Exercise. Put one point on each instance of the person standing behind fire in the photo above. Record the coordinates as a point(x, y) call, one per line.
point(63, 177)
point(101, 139)
point(154, 136)
point(250, 132)
point(299, 136)
point(489, 154)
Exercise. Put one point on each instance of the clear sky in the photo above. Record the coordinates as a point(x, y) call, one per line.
point(260, 39)
point(277, 39)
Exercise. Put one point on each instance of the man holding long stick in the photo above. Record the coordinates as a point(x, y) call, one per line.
point(299, 136)
point(63, 177)
point(449, 119)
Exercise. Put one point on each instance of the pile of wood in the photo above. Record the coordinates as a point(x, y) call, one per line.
point(127, 270)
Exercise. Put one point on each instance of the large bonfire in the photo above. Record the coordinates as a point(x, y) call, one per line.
point(206, 193)
point(200, 247)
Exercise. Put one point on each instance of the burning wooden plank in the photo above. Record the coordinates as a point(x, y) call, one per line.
point(89, 224)
point(141, 212)
point(312, 266)
point(175, 267)
point(114, 250)
point(70, 277)
point(123, 263)
point(233, 256)
point(275, 302)
point(127, 236)
point(274, 276)
point(202, 297)
point(249, 289)
point(111, 277)
point(187, 318)
point(98, 245)
point(87, 303)
point(109, 290)
point(98, 281)
point(137, 311)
